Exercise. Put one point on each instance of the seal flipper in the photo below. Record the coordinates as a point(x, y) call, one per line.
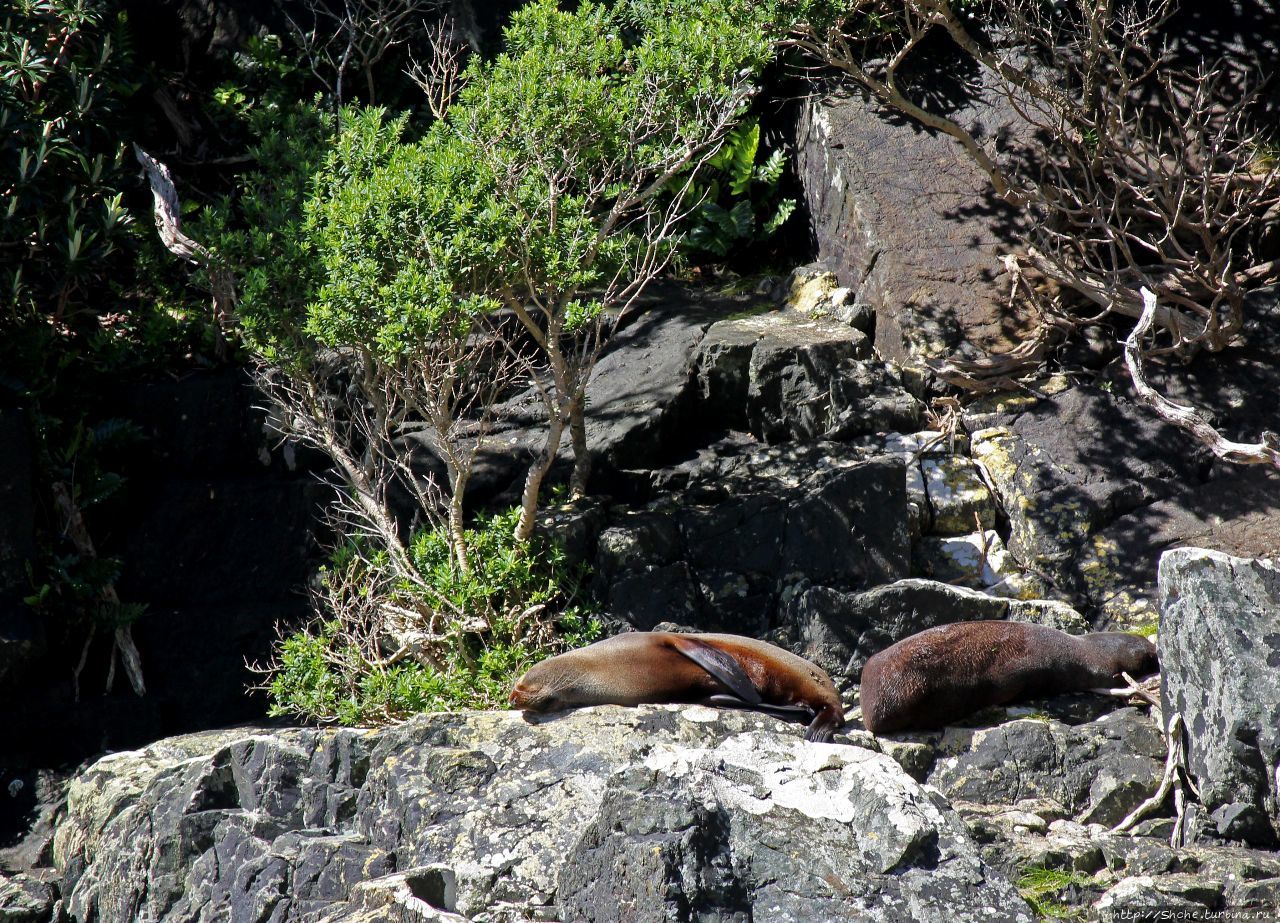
point(720, 665)
point(786, 712)
point(824, 726)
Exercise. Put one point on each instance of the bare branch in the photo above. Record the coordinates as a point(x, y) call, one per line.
point(1266, 452)
point(441, 77)
point(169, 224)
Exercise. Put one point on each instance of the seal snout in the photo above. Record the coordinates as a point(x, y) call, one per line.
point(525, 698)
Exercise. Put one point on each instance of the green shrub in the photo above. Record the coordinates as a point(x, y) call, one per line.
point(515, 607)
point(62, 84)
point(740, 200)
point(1043, 889)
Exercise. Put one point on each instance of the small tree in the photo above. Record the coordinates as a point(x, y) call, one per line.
point(1141, 177)
point(551, 188)
point(554, 187)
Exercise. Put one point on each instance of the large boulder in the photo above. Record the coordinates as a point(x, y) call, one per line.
point(908, 222)
point(639, 400)
point(656, 813)
point(840, 631)
point(751, 526)
point(1097, 772)
point(1069, 466)
point(1220, 668)
point(788, 374)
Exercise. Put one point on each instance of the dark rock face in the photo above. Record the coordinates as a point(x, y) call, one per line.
point(840, 631)
point(654, 813)
point(1061, 478)
point(1098, 772)
point(24, 899)
point(751, 526)
point(783, 375)
point(907, 221)
point(1220, 667)
point(639, 401)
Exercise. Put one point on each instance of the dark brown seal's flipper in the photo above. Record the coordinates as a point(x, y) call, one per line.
point(801, 713)
point(720, 665)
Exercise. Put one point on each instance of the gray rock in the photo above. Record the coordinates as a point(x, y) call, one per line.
point(672, 842)
point(1098, 771)
point(1236, 511)
point(1060, 482)
point(976, 560)
point(959, 499)
point(663, 812)
point(816, 292)
point(1168, 892)
point(1220, 667)
point(749, 529)
point(24, 899)
point(840, 631)
point(870, 397)
point(788, 375)
point(638, 399)
point(638, 393)
point(1048, 612)
point(793, 365)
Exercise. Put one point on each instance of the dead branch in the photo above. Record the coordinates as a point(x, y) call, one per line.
point(1265, 452)
point(355, 35)
point(122, 639)
point(1175, 770)
point(168, 218)
point(1137, 176)
point(441, 78)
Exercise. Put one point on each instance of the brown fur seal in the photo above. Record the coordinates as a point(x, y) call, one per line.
point(944, 673)
point(659, 666)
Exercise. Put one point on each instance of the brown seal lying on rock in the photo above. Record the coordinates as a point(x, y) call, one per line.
point(659, 666)
point(944, 673)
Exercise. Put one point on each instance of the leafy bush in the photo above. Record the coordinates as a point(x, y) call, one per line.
point(552, 189)
point(494, 617)
point(740, 200)
point(61, 172)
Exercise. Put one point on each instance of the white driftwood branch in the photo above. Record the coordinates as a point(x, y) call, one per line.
point(169, 225)
point(1175, 764)
point(1266, 452)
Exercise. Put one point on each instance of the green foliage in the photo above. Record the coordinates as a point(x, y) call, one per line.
point(336, 669)
point(740, 201)
point(1042, 888)
point(512, 196)
point(62, 67)
point(259, 230)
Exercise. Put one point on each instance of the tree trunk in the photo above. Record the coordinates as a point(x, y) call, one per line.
point(537, 471)
point(457, 535)
point(581, 457)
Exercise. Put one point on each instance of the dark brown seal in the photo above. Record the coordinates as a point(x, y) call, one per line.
point(944, 673)
point(659, 666)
